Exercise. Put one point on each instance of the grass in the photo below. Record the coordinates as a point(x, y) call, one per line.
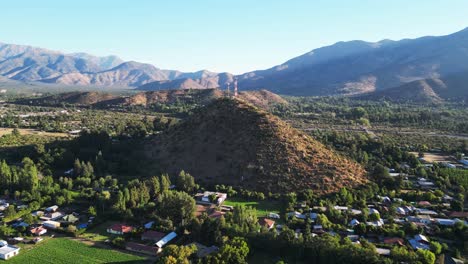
point(263, 207)
point(28, 131)
point(99, 232)
point(63, 250)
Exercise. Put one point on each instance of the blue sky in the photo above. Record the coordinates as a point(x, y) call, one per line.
point(219, 35)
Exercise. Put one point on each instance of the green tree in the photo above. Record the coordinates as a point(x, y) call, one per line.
point(177, 206)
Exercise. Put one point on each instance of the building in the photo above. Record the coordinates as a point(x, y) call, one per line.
point(140, 248)
point(211, 197)
point(7, 251)
point(353, 222)
point(161, 243)
point(51, 209)
point(154, 236)
point(51, 224)
point(38, 231)
point(119, 229)
point(394, 241)
point(419, 242)
point(268, 223)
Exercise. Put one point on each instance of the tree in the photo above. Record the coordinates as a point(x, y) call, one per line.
point(426, 256)
point(92, 211)
point(185, 182)
point(235, 251)
point(177, 206)
point(436, 247)
point(29, 175)
point(176, 254)
point(165, 182)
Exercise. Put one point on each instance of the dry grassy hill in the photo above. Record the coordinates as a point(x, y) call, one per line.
point(233, 142)
point(75, 98)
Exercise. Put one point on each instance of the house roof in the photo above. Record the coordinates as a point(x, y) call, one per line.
point(266, 222)
point(152, 235)
point(140, 247)
point(394, 240)
point(121, 228)
point(166, 239)
point(459, 214)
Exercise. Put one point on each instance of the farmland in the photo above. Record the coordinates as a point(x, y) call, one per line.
point(62, 250)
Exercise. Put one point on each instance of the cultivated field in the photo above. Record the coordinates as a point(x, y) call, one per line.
point(63, 250)
point(434, 157)
point(24, 131)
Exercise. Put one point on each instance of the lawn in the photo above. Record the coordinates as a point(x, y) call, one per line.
point(63, 250)
point(99, 232)
point(263, 207)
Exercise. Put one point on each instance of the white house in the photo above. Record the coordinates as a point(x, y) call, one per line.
point(53, 208)
point(353, 222)
point(274, 215)
point(7, 251)
point(51, 224)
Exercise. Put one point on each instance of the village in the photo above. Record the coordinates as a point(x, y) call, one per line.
point(386, 221)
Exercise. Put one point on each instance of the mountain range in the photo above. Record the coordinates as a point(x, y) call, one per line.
point(344, 68)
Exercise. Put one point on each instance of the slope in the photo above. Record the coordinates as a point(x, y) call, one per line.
point(232, 142)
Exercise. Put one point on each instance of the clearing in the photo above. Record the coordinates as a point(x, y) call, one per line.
point(263, 207)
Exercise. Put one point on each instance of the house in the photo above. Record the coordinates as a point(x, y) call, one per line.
point(274, 215)
point(356, 212)
point(424, 203)
point(419, 242)
point(341, 208)
point(7, 251)
point(51, 224)
point(353, 222)
point(140, 248)
point(211, 197)
point(71, 219)
point(400, 211)
point(37, 213)
point(424, 219)
point(52, 208)
point(421, 211)
point(296, 215)
point(161, 243)
point(119, 229)
point(313, 216)
point(149, 225)
point(151, 235)
point(383, 251)
point(393, 241)
point(373, 211)
point(38, 231)
point(458, 215)
point(317, 228)
point(378, 223)
point(446, 222)
point(268, 223)
point(52, 216)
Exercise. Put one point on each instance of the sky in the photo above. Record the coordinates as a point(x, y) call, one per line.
point(219, 35)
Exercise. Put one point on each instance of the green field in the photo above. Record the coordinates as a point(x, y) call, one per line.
point(263, 207)
point(63, 250)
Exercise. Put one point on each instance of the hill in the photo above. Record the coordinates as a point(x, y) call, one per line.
point(73, 98)
point(357, 67)
point(263, 98)
point(433, 90)
point(232, 142)
point(32, 64)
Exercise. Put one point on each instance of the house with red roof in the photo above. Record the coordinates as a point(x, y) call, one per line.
point(119, 229)
point(268, 223)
